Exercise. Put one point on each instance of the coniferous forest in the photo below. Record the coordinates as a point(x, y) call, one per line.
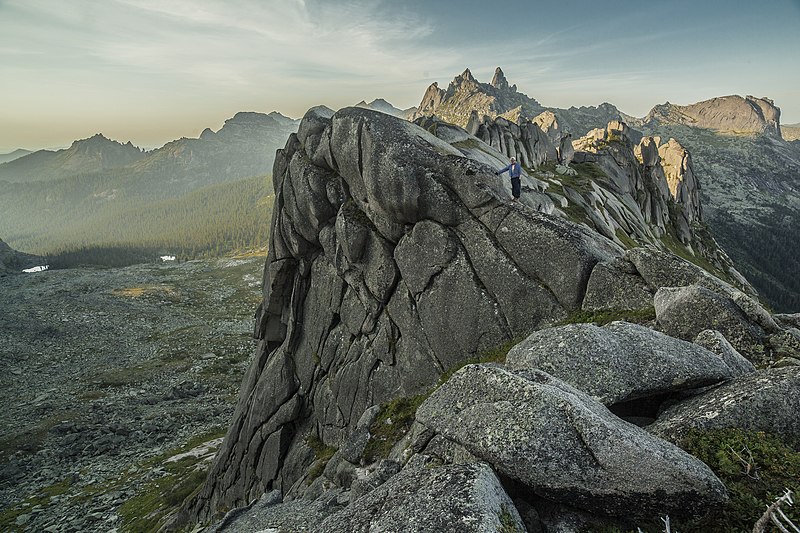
point(73, 225)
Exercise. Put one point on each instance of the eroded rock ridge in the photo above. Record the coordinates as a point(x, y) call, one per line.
point(396, 256)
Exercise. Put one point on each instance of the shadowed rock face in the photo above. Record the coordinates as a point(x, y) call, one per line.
point(391, 260)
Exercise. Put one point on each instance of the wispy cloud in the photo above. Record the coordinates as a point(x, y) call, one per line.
point(179, 62)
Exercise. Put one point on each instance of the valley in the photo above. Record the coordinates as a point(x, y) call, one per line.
point(107, 374)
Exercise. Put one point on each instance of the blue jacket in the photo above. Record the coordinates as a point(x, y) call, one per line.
point(514, 170)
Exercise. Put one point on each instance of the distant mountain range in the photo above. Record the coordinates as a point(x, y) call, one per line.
point(85, 156)
point(748, 170)
point(245, 146)
point(379, 104)
point(90, 192)
point(16, 154)
point(791, 132)
point(748, 165)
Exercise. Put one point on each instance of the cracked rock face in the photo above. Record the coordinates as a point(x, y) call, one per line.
point(392, 259)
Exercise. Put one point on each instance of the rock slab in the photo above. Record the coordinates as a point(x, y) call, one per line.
point(567, 447)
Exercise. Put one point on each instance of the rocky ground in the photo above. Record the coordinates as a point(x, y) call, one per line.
point(109, 376)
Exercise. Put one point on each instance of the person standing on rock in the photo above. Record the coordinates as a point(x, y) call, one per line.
point(514, 170)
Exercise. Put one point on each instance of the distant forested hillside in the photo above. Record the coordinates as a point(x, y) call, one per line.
point(104, 202)
point(83, 222)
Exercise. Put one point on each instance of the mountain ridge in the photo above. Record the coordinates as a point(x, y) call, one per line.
point(16, 154)
point(750, 176)
point(92, 154)
point(379, 104)
point(732, 114)
point(397, 259)
point(13, 261)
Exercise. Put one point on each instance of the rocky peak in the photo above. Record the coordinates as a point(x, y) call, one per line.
point(465, 94)
point(679, 171)
point(96, 142)
point(431, 100)
point(499, 80)
point(726, 114)
point(548, 123)
point(98, 152)
point(248, 118)
point(360, 197)
point(282, 119)
point(663, 183)
point(379, 104)
point(464, 77)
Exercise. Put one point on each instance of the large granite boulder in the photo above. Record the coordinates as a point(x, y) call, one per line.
point(464, 498)
point(618, 362)
point(684, 312)
point(393, 257)
point(616, 285)
point(768, 400)
point(715, 342)
point(565, 446)
point(663, 269)
point(270, 513)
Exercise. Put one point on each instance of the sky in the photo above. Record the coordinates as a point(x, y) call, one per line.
point(151, 71)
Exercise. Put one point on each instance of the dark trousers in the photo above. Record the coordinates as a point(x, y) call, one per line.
point(515, 187)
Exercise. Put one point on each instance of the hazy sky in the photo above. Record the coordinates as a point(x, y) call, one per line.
point(154, 70)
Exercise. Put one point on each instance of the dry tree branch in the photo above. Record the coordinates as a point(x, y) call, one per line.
point(775, 515)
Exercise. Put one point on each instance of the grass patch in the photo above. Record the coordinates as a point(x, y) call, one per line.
point(322, 454)
point(396, 416)
point(247, 254)
point(507, 522)
point(547, 166)
point(91, 395)
point(159, 498)
point(161, 291)
point(590, 171)
point(30, 440)
point(601, 318)
point(467, 144)
point(148, 510)
point(577, 214)
point(756, 467)
point(8, 516)
point(393, 421)
point(627, 241)
point(122, 377)
point(678, 248)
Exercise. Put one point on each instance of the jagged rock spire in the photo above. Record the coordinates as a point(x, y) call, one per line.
point(499, 80)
